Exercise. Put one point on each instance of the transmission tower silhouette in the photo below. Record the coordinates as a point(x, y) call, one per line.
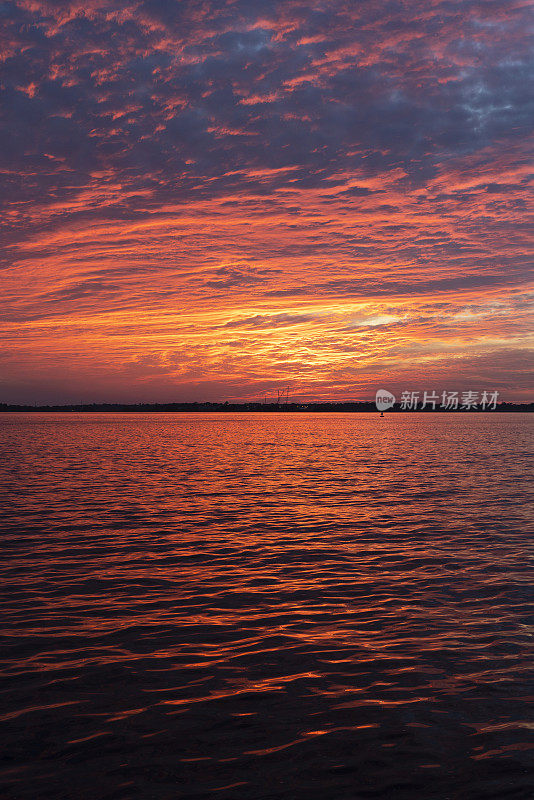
point(283, 396)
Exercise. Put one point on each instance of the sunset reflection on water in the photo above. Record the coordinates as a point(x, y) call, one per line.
point(266, 605)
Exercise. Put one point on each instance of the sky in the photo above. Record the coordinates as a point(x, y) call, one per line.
point(215, 199)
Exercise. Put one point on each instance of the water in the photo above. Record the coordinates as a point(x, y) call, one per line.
point(266, 606)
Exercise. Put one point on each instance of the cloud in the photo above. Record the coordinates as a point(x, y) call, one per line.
point(201, 166)
point(273, 321)
point(230, 277)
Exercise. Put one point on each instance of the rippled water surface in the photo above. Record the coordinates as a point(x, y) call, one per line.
point(265, 606)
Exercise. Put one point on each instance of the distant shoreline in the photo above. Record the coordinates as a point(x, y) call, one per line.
point(328, 407)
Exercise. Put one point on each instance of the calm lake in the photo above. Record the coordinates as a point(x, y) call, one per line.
point(253, 606)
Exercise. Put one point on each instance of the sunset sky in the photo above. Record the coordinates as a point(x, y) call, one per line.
point(214, 199)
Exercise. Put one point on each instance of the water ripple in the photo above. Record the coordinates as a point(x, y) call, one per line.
point(266, 606)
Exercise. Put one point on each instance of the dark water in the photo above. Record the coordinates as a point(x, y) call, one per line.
point(266, 606)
